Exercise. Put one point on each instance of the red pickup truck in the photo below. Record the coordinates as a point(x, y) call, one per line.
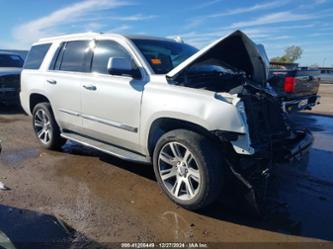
point(296, 87)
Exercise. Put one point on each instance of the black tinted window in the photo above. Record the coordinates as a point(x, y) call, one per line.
point(76, 56)
point(103, 51)
point(36, 56)
point(10, 60)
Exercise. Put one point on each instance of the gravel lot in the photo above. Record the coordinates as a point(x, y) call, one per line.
point(101, 199)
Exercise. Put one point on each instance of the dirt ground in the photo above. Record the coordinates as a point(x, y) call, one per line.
point(82, 195)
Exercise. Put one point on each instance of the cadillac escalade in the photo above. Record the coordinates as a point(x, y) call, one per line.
point(200, 117)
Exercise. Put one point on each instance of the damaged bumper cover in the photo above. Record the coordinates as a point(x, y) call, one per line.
point(294, 148)
point(287, 149)
point(253, 172)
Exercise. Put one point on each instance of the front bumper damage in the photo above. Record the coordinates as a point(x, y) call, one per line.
point(252, 173)
point(294, 149)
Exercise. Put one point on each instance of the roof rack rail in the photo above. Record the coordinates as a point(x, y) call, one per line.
point(68, 36)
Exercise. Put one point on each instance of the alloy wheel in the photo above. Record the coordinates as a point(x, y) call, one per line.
point(43, 126)
point(179, 171)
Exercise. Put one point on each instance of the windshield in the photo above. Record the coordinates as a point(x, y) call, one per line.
point(163, 56)
point(10, 60)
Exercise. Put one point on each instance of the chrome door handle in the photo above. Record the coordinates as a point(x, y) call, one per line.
point(90, 87)
point(53, 82)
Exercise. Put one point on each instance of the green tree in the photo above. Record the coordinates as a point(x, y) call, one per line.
point(291, 54)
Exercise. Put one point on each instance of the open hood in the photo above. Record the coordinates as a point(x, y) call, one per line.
point(236, 50)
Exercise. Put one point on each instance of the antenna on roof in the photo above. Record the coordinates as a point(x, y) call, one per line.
point(179, 39)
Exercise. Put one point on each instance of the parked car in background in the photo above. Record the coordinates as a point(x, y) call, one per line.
point(22, 53)
point(297, 88)
point(326, 76)
point(200, 117)
point(10, 69)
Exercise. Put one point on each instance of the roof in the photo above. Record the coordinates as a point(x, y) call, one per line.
point(94, 34)
point(146, 37)
point(65, 37)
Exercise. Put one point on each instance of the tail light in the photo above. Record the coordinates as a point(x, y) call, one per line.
point(289, 84)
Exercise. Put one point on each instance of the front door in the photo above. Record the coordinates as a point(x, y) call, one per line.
point(111, 103)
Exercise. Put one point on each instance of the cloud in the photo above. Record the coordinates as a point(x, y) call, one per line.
point(320, 34)
point(300, 26)
point(103, 18)
point(200, 39)
point(326, 28)
point(197, 21)
point(276, 38)
point(119, 29)
point(93, 26)
point(137, 17)
point(48, 25)
point(278, 17)
point(320, 1)
point(256, 7)
point(206, 4)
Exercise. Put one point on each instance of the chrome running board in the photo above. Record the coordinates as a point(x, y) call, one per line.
point(106, 148)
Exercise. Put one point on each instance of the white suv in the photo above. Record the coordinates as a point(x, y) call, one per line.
point(200, 117)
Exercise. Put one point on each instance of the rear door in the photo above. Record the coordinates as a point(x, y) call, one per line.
point(67, 72)
point(111, 103)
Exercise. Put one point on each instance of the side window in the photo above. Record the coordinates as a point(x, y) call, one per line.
point(36, 56)
point(76, 57)
point(103, 51)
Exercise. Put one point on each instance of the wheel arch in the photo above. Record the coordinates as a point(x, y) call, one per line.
point(36, 98)
point(165, 124)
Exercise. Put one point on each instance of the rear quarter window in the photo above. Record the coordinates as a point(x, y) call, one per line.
point(36, 56)
point(76, 57)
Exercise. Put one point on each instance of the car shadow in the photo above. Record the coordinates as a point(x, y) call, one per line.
point(22, 228)
point(299, 197)
point(300, 193)
point(143, 170)
point(313, 122)
point(81, 150)
point(298, 202)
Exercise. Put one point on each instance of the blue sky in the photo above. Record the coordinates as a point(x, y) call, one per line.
point(276, 23)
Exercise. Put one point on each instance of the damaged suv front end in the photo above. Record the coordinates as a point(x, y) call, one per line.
point(236, 69)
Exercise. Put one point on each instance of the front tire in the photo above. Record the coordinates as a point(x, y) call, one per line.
point(46, 128)
point(189, 168)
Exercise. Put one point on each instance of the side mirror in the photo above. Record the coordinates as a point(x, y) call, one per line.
point(122, 66)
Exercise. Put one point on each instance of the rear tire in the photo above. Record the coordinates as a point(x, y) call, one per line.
point(189, 168)
point(46, 128)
